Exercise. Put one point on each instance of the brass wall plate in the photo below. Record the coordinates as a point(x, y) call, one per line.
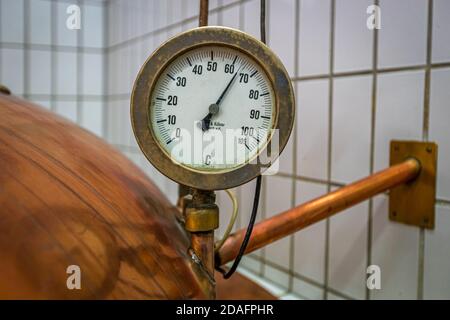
point(413, 203)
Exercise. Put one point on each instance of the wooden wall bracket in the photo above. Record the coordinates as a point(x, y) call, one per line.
point(413, 203)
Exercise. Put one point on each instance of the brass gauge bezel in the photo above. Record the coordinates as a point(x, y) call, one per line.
point(179, 45)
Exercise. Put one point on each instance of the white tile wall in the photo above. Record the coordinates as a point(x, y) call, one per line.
point(437, 258)
point(306, 290)
point(40, 63)
point(246, 203)
point(176, 11)
point(400, 20)
point(399, 112)
point(332, 296)
point(230, 17)
point(395, 250)
point(11, 61)
point(352, 35)
point(279, 200)
point(119, 131)
point(92, 118)
point(310, 243)
point(283, 46)
point(92, 74)
point(314, 37)
point(66, 73)
point(11, 17)
point(312, 128)
point(93, 26)
point(285, 160)
point(253, 265)
point(67, 109)
point(277, 276)
point(191, 8)
point(351, 143)
point(296, 266)
point(439, 125)
point(65, 36)
point(441, 25)
point(348, 251)
point(42, 103)
point(251, 18)
point(40, 22)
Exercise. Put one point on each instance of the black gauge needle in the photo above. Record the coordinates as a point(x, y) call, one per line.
point(227, 88)
point(214, 108)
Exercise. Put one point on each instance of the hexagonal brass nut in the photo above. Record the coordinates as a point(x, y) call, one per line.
point(202, 219)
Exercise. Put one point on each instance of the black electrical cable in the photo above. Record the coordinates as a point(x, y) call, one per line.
point(251, 223)
point(248, 233)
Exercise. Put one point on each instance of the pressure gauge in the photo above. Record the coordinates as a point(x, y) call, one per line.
point(212, 108)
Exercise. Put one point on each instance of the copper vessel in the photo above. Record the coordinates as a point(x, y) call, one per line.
point(68, 198)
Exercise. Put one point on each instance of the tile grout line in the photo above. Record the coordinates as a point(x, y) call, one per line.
point(129, 30)
point(425, 137)
point(53, 55)
point(157, 31)
point(79, 58)
point(26, 53)
point(219, 13)
point(50, 47)
point(294, 146)
point(330, 142)
point(372, 145)
point(105, 61)
point(297, 276)
point(1, 53)
point(367, 72)
point(443, 203)
point(239, 189)
point(66, 97)
point(183, 10)
point(264, 178)
point(310, 179)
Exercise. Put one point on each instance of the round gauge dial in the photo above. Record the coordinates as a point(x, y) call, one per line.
point(218, 99)
point(212, 108)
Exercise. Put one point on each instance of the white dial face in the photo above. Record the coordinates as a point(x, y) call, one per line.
point(212, 109)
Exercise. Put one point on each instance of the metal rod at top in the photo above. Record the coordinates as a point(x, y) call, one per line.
point(262, 24)
point(203, 16)
point(300, 217)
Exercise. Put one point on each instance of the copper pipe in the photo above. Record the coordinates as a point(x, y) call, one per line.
point(203, 245)
point(203, 16)
point(297, 218)
point(202, 218)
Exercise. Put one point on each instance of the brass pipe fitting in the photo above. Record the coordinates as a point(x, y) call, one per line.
point(202, 219)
